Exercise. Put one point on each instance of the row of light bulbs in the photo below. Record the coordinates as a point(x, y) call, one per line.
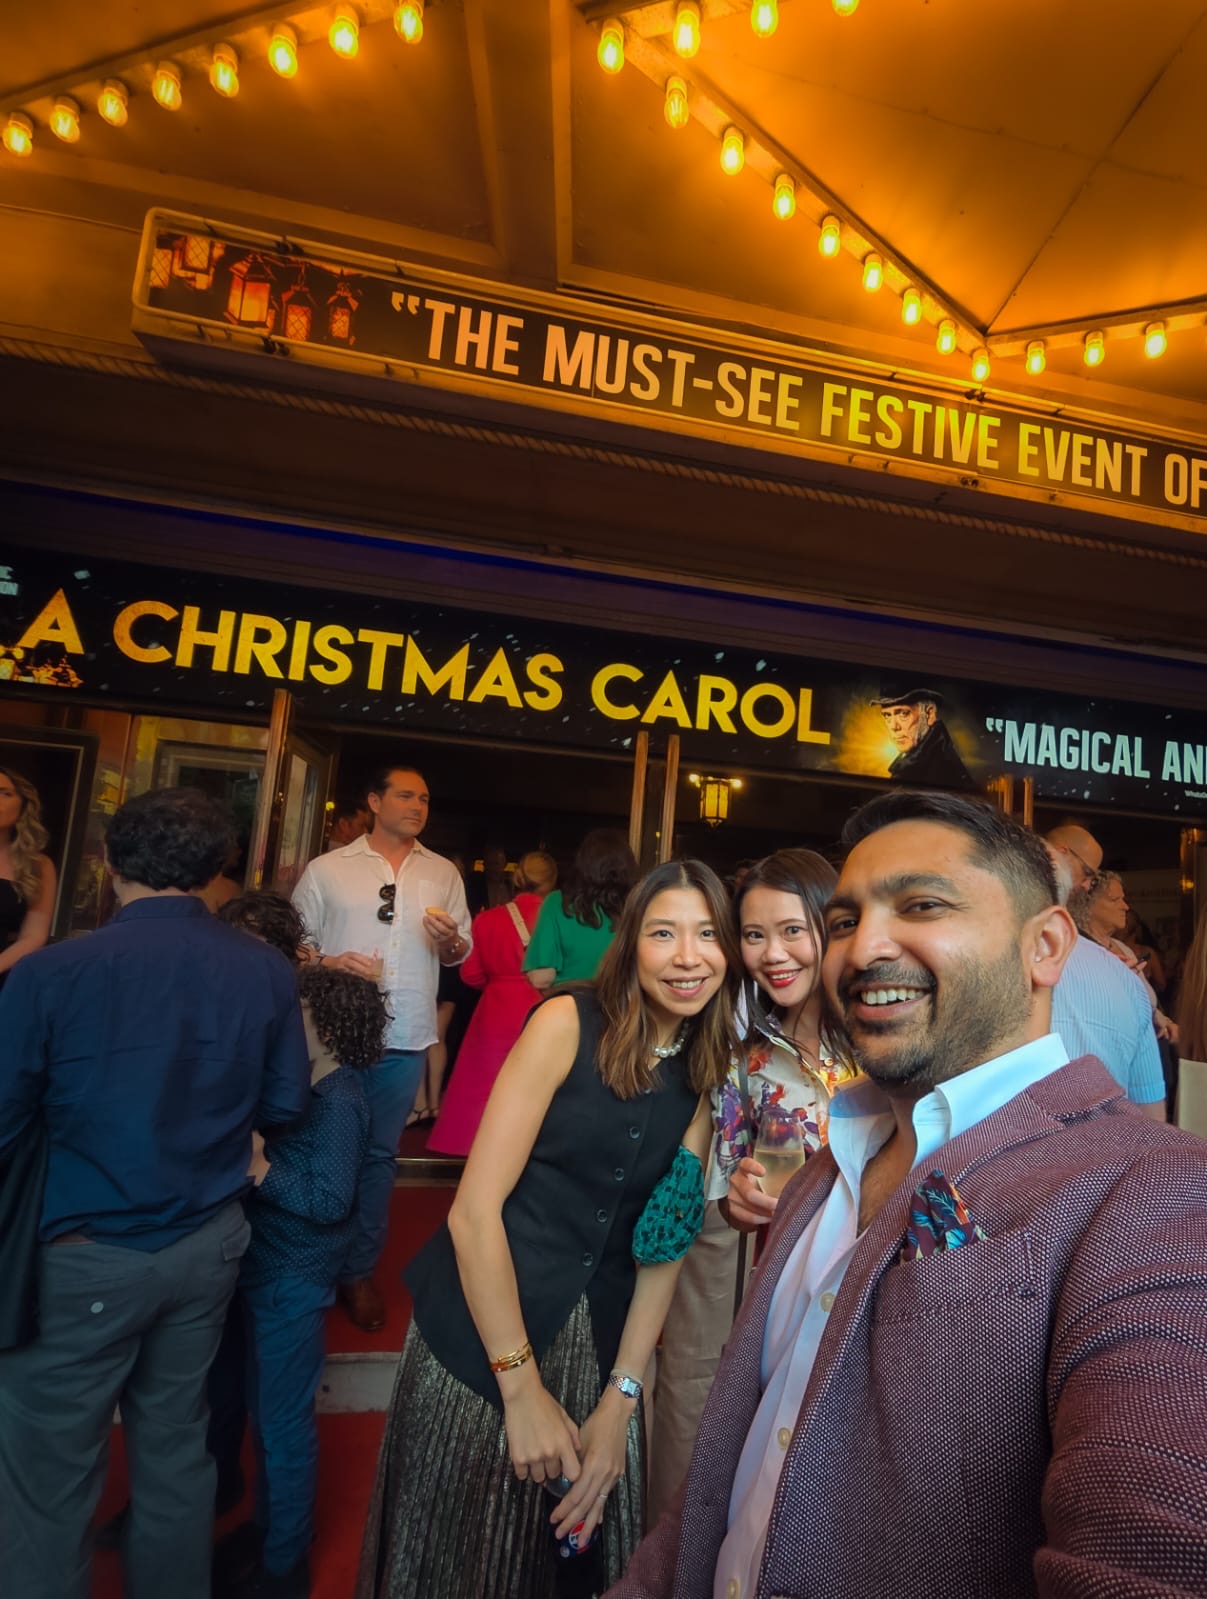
point(113, 101)
point(764, 19)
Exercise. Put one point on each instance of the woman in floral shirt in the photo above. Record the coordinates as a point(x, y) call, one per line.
point(790, 1070)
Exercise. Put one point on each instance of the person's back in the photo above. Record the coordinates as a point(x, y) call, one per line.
point(1100, 1008)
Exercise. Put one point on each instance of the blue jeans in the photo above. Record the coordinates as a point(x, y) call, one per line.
point(391, 1086)
point(286, 1345)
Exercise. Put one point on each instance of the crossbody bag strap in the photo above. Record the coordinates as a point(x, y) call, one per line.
point(521, 926)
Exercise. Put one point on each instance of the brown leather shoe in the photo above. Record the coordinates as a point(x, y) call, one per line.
point(363, 1302)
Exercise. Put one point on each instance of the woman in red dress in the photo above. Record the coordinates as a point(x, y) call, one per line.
point(495, 966)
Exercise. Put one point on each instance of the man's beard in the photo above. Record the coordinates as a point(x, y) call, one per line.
point(981, 1005)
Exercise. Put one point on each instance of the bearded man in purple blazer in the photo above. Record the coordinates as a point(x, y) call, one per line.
point(972, 1363)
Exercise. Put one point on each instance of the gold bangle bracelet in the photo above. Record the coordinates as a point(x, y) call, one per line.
point(517, 1357)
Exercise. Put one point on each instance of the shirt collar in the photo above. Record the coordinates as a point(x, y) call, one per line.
point(162, 905)
point(361, 846)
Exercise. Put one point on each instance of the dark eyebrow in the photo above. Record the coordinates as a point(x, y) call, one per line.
point(899, 883)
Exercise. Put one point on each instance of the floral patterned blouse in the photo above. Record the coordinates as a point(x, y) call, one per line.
point(775, 1077)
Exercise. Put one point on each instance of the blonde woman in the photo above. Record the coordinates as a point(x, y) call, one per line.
point(27, 878)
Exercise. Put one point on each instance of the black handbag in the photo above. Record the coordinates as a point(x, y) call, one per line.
point(22, 1185)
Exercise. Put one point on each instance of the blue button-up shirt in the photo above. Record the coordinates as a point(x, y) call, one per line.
point(152, 1048)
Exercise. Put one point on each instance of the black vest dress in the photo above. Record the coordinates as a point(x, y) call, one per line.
point(570, 1218)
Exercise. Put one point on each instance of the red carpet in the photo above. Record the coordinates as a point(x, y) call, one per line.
point(348, 1444)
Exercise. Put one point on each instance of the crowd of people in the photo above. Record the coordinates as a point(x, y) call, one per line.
point(923, 1090)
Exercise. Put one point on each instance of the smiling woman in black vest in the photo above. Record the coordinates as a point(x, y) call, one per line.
point(533, 1322)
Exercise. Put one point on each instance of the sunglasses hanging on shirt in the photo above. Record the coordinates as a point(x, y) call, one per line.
point(387, 892)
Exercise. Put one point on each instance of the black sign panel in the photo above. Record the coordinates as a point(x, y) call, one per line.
point(126, 632)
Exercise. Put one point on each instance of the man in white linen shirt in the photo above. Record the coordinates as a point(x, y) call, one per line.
point(922, 1392)
point(387, 908)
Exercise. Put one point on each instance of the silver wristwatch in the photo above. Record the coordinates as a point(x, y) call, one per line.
point(629, 1386)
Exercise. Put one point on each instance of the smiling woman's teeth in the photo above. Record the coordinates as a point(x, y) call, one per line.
point(889, 996)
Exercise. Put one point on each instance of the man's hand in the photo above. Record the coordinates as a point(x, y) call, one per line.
point(259, 1168)
point(442, 930)
point(746, 1206)
point(351, 961)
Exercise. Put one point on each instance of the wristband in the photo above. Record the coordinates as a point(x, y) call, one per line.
point(628, 1386)
point(517, 1357)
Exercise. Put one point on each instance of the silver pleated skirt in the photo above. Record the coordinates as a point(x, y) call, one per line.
point(448, 1518)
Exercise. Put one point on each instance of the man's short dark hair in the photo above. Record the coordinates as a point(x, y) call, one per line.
point(268, 916)
point(380, 779)
point(170, 838)
point(344, 810)
point(999, 844)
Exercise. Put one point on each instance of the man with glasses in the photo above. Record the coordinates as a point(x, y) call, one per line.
point(387, 908)
point(1081, 850)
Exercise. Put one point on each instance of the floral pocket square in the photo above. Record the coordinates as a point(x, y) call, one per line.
point(938, 1219)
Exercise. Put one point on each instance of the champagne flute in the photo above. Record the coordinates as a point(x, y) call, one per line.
point(779, 1148)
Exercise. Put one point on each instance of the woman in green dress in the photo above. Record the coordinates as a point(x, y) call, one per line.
point(576, 924)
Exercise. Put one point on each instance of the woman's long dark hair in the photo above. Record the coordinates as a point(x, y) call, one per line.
point(604, 872)
point(810, 878)
point(626, 1061)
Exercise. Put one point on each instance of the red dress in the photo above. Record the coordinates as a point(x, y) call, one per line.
point(493, 965)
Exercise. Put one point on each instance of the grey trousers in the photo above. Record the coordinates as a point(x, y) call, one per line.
point(119, 1326)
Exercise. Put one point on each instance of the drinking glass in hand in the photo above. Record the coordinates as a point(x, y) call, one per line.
point(779, 1148)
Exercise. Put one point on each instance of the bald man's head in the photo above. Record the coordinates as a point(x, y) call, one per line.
point(1080, 849)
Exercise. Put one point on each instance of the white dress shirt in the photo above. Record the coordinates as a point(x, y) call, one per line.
point(861, 1121)
point(339, 896)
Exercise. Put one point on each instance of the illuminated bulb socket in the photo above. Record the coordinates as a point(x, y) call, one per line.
point(733, 151)
point(980, 365)
point(19, 134)
point(408, 21)
point(1094, 349)
point(676, 111)
point(911, 308)
point(113, 102)
point(873, 272)
point(829, 240)
point(1037, 358)
point(283, 51)
point(224, 71)
point(165, 86)
point(344, 33)
point(685, 33)
point(765, 17)
point(845, 8)
point(1155, 342)
point(946, 338)
point(783, 201)
point(65, 120)
point(611, 45)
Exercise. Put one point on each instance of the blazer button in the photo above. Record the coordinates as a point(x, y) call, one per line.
point(634, 1132)
point(733, 1588)
point(827, 1302)
point(601, 1215)
point(588, 1259)
point(619, 1174)
point(783, 1437)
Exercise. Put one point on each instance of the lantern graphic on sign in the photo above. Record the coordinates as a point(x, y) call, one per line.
point(195, 259)
point(298, 306)
point(248, 304)
point(714, 796)
point(341, 308)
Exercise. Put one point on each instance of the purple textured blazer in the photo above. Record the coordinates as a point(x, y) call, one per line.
point(1025, 1415)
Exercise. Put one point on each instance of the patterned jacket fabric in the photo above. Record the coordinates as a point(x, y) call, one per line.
point(1024, 1415)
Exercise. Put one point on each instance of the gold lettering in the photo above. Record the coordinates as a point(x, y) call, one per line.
point(379, 643)
point(668, 703)
point(123, 635)
point(768, 691)
point(497, 682)
point(860, 416)
point(600, 684)
point(339, 669)
point(54, 624)
point(806, 733)
point(830, 408)
point(715, 699)
point(299, 650)
point(452, 675)
point(1028, 448)
point(262, 637)
point(566, 366)
point(545, 695)
point(219, 641)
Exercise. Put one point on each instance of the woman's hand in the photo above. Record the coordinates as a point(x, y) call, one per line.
point(747, 1206)
point(602, 1437)
point(541, 1438)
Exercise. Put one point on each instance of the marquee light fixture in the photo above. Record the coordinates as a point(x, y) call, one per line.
point(224, 71)
point(165, 86)
point(65, 119)
point(676, 109)
point(344, 33)
point(18, 134)
point(829, 240)
point(685, 34)
point(911, 308)
point(783, 201)
point(1155, 341)
point(408, 21)
point(980, 364)
point(733, 151)
point(765, 17)
point(845, 8)
point(1037, 358)
point(714, 796)
point(283, 51)
point(611, 45)
point(873, 272)
point(947, 338)
point(113, 102)
point(1094, 351)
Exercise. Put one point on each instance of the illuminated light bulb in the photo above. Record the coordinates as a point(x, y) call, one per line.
point(676, 111)
point(1037, 358)
point(733, 151)
point(344, 33)
point(911, 308)
point(873, 272)
point(65, 119)
point(829, 240)
point(945, 340)
point(1155, 342)
point(165, 86)
point(283, 50)
point(980, 364)
point(765, 17)
point(685, 35)
point(18, 134)
point(1094, 349)
point(611, 45)
point(845, 8)
point(224, 71)
point(113, 102)
point(783, 201)
point(408, 21)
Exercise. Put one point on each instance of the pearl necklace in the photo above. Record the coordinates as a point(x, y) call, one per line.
point(665, 1051)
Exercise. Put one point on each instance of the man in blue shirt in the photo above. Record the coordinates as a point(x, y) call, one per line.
point(151, 1050)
